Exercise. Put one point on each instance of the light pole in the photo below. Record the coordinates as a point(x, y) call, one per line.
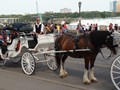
point(79, 5)
point(52, 19)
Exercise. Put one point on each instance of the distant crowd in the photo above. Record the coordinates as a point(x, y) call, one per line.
point(62, 28)
point(91, 27)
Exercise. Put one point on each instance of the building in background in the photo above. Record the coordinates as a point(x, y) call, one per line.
point(115, 6)
point(9, 20)
point(118, 6)
point(65, 10)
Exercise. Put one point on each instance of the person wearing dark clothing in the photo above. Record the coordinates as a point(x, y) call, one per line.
point(37, 29)
point(116, 27)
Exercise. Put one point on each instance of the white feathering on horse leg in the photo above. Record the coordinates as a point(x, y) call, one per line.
point(92, 77)
point(62, 72)
point(66, 73)
point(85, 77)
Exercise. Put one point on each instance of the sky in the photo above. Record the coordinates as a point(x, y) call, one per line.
point(29, 6)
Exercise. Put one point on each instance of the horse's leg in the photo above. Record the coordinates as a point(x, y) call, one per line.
point(58, 59)
point(91, 75)
point(85, 76)
point(63, 59)
point(63, 72)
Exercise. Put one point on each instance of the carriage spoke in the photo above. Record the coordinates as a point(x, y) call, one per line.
point(24, 58)
point(116, 72)
point(32, 68)
point(118, 83)
point(117, 77)
point(117, 67)
point(118, 61)
point(26, 69)
point(24, 64)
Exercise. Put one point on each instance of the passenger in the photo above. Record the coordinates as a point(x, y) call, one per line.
point(14, 34)
point(3, 44)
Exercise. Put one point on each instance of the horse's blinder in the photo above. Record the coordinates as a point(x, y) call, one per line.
point(109, 42)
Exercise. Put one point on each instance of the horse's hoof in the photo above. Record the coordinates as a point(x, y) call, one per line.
point(62, 76)
point(66, 74)
point(94, 80)
point(87, 82)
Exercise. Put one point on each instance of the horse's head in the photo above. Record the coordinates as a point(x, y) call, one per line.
point(100, 38)
point(109, 42)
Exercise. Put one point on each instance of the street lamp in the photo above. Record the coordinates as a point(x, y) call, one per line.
point(79, 4)
point(52, 19)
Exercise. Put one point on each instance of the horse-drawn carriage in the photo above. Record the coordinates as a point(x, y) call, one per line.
point(28, 49)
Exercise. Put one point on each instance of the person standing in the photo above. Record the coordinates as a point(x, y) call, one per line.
point(110, 27)
point(58, 28)
point(78, 29)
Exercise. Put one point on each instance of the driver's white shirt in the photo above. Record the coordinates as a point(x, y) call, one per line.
point(42, 27)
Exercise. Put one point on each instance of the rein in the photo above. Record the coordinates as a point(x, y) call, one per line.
point(108, 58)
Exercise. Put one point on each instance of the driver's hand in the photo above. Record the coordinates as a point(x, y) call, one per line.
point(33, 33)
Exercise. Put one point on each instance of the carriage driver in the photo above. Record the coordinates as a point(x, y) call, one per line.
point(38, 27)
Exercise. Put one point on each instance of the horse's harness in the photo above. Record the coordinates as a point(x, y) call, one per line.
point(76, 39)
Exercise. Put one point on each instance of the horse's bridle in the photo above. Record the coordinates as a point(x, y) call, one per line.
point(112, 46)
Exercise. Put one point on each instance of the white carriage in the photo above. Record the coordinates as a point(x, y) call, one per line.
point(24, 49)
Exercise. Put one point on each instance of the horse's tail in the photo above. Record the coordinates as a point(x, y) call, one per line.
point(57, 48)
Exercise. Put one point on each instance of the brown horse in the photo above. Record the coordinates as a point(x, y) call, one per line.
point(94, 41)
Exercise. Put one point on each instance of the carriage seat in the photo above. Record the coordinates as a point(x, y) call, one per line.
point(12, 38)
point(13, 45)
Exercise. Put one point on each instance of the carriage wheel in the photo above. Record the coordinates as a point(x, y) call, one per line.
point(115, 72)
point(28, 63)
point(51, 61)
point(16, 60)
